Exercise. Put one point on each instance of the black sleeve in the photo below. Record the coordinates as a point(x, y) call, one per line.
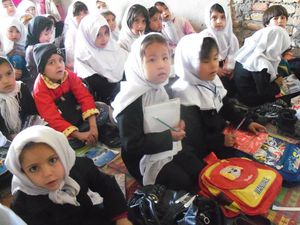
point(229, 113)
point(134, 140)
point(106, 185)
point(203, 129)
point(27, 103)
point(265, 89)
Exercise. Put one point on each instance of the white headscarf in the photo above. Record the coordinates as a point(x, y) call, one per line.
point(126, 37)
point(136, 84)
point(189, 88)
point(89, 59)
point(25, 5)
point(227, 42)
point(8, 45)
point(9, 108)
point(42, 134)
point(263, 50)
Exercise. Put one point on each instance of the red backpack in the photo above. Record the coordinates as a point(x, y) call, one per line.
point(240, 185)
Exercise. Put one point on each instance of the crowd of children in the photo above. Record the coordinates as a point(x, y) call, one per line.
point(70, 69)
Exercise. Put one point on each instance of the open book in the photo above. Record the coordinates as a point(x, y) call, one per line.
point(290, 85)
point(162, 116)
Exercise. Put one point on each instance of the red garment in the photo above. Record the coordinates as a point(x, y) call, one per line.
point(45, 97)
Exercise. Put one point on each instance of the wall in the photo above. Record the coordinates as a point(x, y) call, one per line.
point(248, 17)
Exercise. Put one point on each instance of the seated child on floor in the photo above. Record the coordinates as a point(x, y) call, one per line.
point(14, 37)
point(64, 102)
point(174, 27)
point(52, 187)
point(205, 107)
point(134, 23)
point(277, 15)
point(40, 30)
point(78, 10)
point(255, 72)
point(16, 102)
point(155, 22)
point(219, 26)
point(99, 60)
point(111, 20)
point(152, 157)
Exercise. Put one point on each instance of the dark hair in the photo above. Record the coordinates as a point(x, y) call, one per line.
point(152, 38)
point(161, 4)
point(4, 60)
point(79, 7)
point(152, 11)
point(107, 13)
point(274, 11)
point(217, 8)
point(137, 10)
point(208, 45)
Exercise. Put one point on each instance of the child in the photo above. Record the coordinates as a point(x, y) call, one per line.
point(52, 7)
point(64, 102)
point(134, 23)
point(50, 185)
point(16, 102)
point(79, 11)
point(174, 28)
point(255, 72)
point(8, 9)
point(27, 6)
point(111, 20)
point(155, 23)
point(205, 108)
point(98, 58)
point(277, 15)
point(40, 30)
point(219, 26)
point(152, 157)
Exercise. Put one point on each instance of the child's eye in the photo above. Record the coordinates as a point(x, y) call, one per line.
point(166, 58)
point(33, 169)
point(53, 160)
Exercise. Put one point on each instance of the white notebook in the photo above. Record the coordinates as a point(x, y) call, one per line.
point(158, 117)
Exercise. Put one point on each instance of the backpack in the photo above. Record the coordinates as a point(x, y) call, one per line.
point(282, 156)
point(240, 185)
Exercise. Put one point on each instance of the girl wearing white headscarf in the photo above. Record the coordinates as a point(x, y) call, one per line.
point(15, 105)
point(151, 157)
point(221, 30)
point(255, 73)
point(205, 108)
point(27, 6)
point(101, 67)
point(128, 34)
point(13, 47)
point(69, 203)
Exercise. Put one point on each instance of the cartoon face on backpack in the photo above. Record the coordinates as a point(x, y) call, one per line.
point(231, 172)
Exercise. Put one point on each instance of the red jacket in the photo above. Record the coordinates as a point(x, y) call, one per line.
point(46, 92)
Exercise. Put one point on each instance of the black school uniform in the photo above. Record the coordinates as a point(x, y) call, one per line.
point(204, 129)
point(37, 210)
point(27, 107)
point(180, 173)
point(254, 88)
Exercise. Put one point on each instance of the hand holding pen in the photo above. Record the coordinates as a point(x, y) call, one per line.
point(178, 132)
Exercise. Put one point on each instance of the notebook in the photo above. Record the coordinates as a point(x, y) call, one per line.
point(162, 116)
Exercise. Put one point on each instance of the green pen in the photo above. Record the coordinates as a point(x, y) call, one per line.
point(164, 123)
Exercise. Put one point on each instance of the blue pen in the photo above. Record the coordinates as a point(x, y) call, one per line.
point(167, 125)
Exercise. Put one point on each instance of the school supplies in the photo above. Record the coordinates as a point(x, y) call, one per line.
point(100, 155)
point(282, 155)
point(240, 124)
point(162, 116)
point(246, 141)
point(290, 85)
point(240, 185)
point(167, 125)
